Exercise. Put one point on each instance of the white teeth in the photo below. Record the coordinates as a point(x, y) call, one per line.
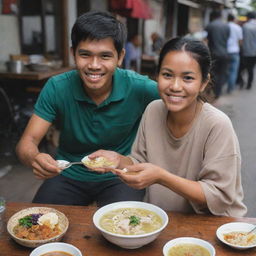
point(94, 76)
point(175, 98)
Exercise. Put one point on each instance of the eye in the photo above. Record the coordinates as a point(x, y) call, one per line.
point(106, 56)
point(84, 55)
point(167, 75)
point(188, 78)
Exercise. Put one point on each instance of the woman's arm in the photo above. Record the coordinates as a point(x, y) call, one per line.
point(148, 174)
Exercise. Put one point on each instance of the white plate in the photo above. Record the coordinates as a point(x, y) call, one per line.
point(234, 227)
point(188, 240)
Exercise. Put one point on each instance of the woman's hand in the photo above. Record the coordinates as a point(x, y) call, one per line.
point(111, 156)
point(140, 176)
point(44, 166)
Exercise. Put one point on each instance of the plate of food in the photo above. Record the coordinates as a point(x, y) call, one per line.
point(32, 227)
point(98, 162)
point(235, 235)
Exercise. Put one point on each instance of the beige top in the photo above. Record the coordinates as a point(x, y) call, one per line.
point(208, 153)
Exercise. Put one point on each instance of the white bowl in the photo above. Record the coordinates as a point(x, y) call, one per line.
point(188, 240)
point(50, 247)
point(234, 227)
point(130, 241)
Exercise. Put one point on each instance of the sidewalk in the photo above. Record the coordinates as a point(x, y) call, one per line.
point(240, 106)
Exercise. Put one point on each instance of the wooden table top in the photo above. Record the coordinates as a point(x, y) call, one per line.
point(83, 234)
point(33, 75)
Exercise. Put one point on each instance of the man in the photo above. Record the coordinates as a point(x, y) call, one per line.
point(218, 34)
point(132, 59)
point(234, 43)
point(96, 106)
point(157, 43)
point(249, 47)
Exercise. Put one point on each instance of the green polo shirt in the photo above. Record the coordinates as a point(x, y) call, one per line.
point(86, 127)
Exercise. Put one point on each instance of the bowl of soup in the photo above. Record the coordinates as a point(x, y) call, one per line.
point(56, 249)
point(130, 224)
point(184, 246)
point(35, 226)
point(235, 235)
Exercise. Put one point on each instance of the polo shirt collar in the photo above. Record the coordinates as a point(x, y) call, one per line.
point(117, 93)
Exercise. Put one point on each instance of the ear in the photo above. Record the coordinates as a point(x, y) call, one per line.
point(121, 58)
point(204, 84)
point(72, 52)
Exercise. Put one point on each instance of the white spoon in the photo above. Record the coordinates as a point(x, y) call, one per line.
point(63, 164)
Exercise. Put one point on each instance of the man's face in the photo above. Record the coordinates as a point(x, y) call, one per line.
point(96, 61)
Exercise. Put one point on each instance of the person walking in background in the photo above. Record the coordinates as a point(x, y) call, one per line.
point(249, 48)
point(132, 59)
point(234, 43)
point(157, 43)
point(217, 37)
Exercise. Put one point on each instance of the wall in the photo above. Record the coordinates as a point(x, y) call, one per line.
point(9, 39)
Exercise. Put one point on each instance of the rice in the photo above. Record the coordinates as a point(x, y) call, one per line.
point(49, 219)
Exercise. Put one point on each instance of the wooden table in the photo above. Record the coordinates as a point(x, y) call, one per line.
point(88, 239)
point(33, 75)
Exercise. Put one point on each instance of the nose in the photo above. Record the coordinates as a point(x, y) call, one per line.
point(94, 63)
point(176, 85)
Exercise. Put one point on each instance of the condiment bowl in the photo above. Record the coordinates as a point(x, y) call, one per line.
point(51, 247)
point(234, 227)
point(130, 241)
point(14, 221)
point(188, 240)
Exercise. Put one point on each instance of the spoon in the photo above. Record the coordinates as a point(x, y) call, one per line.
point(63, 164)
point(251, 231)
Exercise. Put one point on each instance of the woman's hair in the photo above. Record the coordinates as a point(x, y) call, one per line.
point(197, 49)
point(96, 25)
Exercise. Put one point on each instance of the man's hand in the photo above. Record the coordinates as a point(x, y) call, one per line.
point(44, 166)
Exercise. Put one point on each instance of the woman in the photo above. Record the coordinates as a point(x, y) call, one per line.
point(186, 152)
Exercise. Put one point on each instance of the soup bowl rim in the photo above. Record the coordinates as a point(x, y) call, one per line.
point(36, 251)
point(130, 204)
point(191, 240)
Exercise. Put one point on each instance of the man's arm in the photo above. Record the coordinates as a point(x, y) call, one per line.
point(44, 166)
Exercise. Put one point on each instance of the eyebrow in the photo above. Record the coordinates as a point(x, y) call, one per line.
point(170, 70)
point(81, 51)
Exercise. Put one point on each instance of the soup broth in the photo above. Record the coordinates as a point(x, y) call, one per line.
point(57, 253)
point(188, 250)
point(131, 221)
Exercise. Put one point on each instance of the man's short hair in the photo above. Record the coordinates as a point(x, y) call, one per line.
point(96, 25)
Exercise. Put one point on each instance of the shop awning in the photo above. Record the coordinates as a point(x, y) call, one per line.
point(131, 8)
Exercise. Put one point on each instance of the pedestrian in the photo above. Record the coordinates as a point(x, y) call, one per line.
point(249, 48)
point(132, 59)
point(186, 152)
point(98, 105)
point(157, 43)
point(234, 43)
point(217, 36)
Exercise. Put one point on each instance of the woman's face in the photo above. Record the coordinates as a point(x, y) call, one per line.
point(179, 81)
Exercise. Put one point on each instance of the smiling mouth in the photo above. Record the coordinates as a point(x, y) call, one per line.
point(94, 76)
point(175, 98)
